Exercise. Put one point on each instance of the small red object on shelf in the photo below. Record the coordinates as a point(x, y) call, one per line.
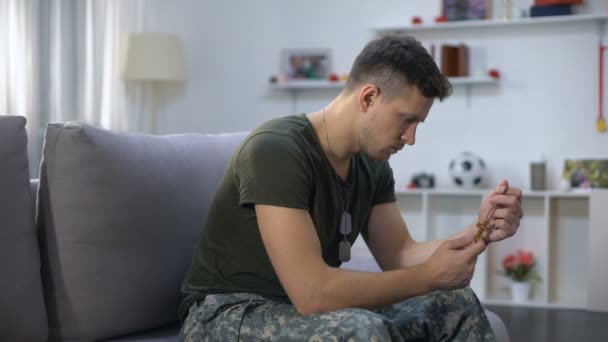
point(333, 77)
point(494, 73)
point(416, 20)
point(441, 19)
point(411, 186)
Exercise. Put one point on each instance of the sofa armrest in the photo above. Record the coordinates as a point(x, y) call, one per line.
point(500, 330)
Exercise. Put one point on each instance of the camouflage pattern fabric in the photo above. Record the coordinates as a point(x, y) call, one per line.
point(454, 315)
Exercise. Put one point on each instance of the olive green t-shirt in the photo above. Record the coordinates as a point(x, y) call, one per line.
point(281, 163)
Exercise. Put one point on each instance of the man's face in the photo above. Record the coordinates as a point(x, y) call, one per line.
point(391, 124)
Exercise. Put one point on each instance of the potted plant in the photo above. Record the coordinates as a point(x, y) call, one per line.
point(519, 267)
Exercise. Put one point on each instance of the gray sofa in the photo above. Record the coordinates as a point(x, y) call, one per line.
point(98, 248)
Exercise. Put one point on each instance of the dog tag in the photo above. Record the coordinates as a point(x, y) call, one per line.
point(344, 251)
point(346, 224)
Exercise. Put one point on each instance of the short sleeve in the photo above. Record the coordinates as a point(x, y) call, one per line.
point(385, 185)
point(271, 169)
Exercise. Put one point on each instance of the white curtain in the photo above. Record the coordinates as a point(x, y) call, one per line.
point(86, 54)
point(18, 44)
point(61, 60)
point(19, 67)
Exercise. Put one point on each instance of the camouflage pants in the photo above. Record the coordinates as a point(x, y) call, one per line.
point(453, 315)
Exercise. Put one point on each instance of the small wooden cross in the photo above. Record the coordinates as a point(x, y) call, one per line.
point(483, 227)
point(488, 223)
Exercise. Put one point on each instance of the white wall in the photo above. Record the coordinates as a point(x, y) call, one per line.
point(545, 104)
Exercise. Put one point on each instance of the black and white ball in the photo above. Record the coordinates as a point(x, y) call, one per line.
point(467, 171)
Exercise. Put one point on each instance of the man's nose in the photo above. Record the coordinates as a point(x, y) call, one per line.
point(409, 136)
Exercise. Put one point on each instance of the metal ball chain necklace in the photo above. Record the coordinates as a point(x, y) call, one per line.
point(346, 220)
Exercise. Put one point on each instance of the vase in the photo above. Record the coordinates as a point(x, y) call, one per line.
point(520, 291)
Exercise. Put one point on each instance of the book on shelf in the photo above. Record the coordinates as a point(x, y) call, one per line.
point(463, 60)
point(550, 10)
point(455, 60)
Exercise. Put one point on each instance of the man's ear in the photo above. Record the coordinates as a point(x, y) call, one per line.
point(368, 96)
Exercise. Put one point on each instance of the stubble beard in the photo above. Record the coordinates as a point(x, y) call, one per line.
point(366, 143)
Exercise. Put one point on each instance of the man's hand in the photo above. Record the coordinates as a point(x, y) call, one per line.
point(508, 213)
point(452, 264)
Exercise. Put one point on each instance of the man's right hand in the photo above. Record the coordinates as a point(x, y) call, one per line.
point(452, 264)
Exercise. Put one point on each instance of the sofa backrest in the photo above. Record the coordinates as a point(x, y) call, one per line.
point(22, 313)
point(120, 215)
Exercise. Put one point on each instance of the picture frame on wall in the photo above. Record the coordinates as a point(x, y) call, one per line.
point(306, 64)
point(586, 173)
point(454, 10)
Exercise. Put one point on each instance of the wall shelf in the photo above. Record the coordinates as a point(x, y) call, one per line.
point(322, 84)
point(307, 84)
point(473, 80)
point(466, 24)
point(295, 87)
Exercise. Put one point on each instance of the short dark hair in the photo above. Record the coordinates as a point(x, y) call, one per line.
point(391, 62)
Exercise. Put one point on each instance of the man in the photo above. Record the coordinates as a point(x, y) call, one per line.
point(295, 196)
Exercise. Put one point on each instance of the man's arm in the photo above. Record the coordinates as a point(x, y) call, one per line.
point(392, 246)
point(295, 252)
point(391, 243)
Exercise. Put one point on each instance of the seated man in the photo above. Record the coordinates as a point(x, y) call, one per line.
point(295, 196)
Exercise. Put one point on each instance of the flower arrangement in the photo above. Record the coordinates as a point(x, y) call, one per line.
point(520, 266)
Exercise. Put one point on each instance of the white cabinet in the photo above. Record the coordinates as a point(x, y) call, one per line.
point(597, 281)
point(556, 227)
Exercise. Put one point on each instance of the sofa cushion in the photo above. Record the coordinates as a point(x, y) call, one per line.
point(121, 215)
point(22, 312)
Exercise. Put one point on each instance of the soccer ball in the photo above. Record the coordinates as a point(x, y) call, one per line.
point(467, 171)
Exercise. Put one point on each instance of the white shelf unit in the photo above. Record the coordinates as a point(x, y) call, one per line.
point(478, 24)
point(554, 221)
point(555, 227)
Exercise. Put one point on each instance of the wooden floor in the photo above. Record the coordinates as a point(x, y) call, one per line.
point(554, 325)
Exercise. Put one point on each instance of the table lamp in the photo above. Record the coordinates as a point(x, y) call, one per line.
point(154, 59)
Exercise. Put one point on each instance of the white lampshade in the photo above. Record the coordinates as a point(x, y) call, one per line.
point(154, 57)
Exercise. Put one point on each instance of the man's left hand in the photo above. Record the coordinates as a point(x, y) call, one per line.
point(505, 220)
